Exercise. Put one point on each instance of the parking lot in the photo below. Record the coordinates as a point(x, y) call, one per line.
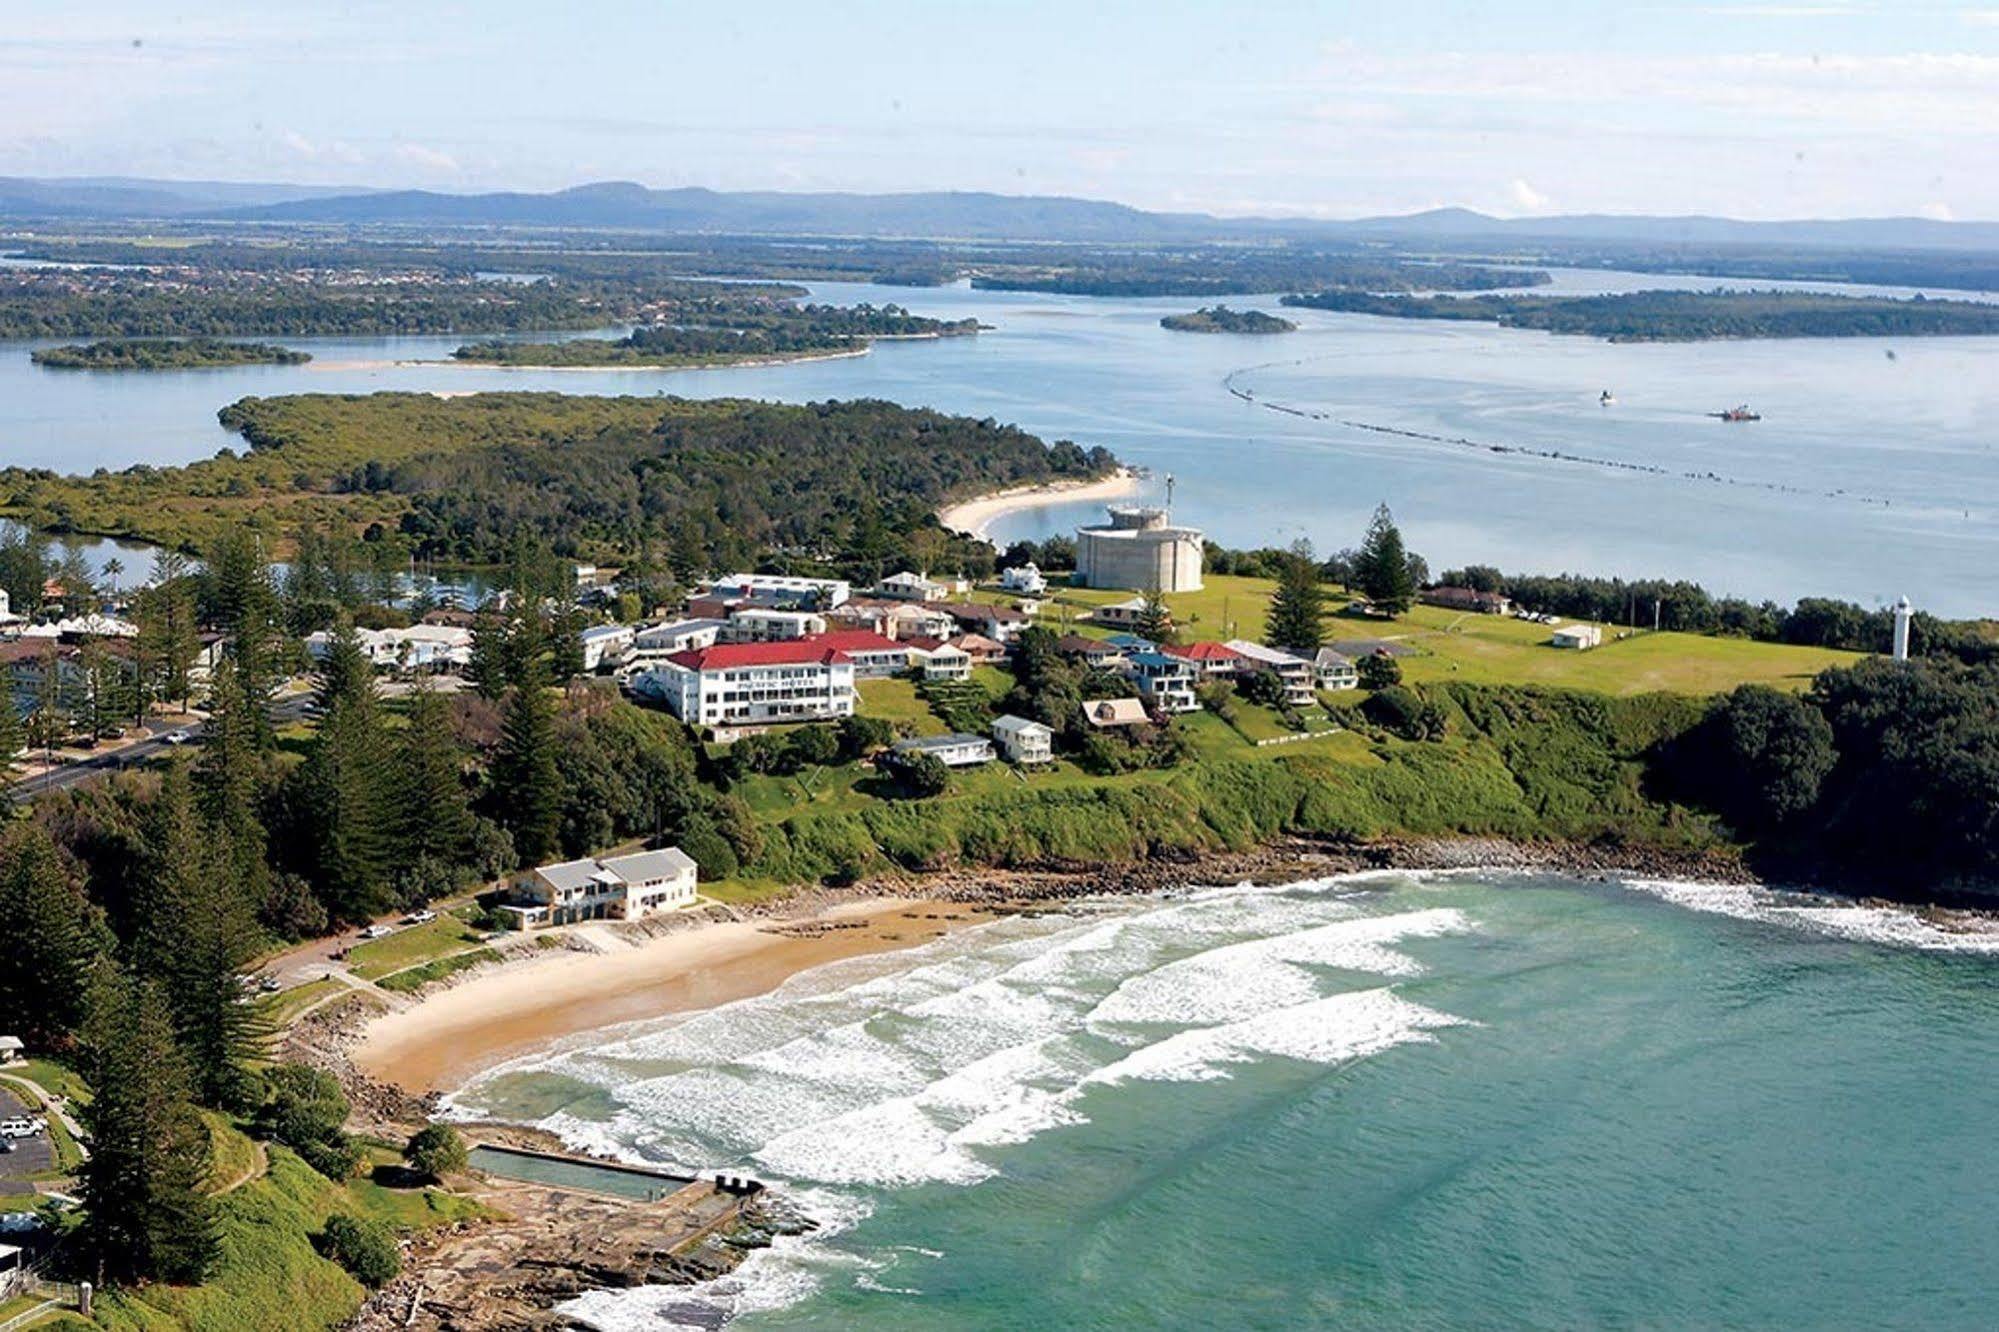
point(31, 1156)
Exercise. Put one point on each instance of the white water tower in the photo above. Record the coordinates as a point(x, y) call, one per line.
point(1903, 614)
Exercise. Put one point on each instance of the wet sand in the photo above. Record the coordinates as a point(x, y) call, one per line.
point(445, 1039)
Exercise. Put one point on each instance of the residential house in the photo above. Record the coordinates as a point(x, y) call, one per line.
point(1335, 670)
point(908, 586)
point(749, 684)
point(1024, 741)
point(12, 1049)
point(764, 624)
point(421, 647)
point(1096, 653)
point(1025, 579)
point(607, 646)
point(614, 888)
point(953, 751)
point(1466, 599)
point(982, 650)
point(941, 661)
point(1580, 637)
point(1121, 613)
point(1295, 672)
point(1002, 623)
point(1209, 659)
point(1167, 681)
point(1111, 713)
point(874, 656)
point(821, 594)
point(662, 640)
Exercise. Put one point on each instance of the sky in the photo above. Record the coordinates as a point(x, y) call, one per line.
point(1266, 107)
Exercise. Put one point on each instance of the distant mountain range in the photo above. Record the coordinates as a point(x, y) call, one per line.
point(622, 206)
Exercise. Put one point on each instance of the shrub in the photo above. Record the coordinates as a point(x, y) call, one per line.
point(366, 1249)
point(1378, 670)
point(306, 1111)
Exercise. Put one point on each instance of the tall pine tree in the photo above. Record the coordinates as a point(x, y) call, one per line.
point(194, 929)
point(48, 941)
point(228, 785)
point(436, 816)
point(244, 601)
point(1297, 604)
point(145, 1217)
point(527, 787)
point(344, 793)
point(1382, 569)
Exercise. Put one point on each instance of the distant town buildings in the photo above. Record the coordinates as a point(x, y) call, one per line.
point(1138, 549)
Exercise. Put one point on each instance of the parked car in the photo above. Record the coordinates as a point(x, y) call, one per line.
point(176, 737)
point(419, 918)
point(378, 931)
point(20, 1127)
point(6, 1146)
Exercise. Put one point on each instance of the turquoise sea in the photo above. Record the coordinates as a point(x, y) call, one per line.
point(1391, 1100)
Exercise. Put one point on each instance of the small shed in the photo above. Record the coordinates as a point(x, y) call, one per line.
point(1576, 637)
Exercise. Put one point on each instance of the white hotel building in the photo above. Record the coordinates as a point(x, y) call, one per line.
point(751, 684)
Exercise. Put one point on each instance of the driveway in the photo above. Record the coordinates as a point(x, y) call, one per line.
point(31, 1156)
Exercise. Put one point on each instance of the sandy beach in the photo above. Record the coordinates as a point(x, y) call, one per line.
point(442, 1041)
point(974, 516)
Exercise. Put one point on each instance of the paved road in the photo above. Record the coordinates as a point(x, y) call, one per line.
point(287, 709)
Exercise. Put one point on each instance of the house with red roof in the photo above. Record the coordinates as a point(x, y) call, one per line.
point(1208, 659)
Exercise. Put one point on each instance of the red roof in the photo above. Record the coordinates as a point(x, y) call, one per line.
point(787, 652)
point(858, 640)
point(1202, 651)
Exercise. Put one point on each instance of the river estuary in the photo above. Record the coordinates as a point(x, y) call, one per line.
point(1873, 472)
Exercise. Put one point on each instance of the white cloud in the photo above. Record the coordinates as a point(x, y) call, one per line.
point(430, 159)
point(1937, 212)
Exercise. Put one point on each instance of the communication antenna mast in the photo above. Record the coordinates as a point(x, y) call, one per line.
point(1169, 493)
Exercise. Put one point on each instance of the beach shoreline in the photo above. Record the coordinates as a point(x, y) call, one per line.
point(454, 1033)
point(973, 517)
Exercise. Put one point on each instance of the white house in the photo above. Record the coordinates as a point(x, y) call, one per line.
point(615, 888)
point(659, 640)
point(1296, 673)
point(1166, 680)
point(1335, 670)
point(945, 662)
point(953, 751)
point(749, 684)
point(1580, 637)
point(1025, 579)
point(1110, 713)
point(1002, 624)
point(606, 646)
point(874, 657)
point(908, 586)
point(761, 624)
point(11, 1049)
point(1122, 613)
point(421, 647)
point(1024, 741)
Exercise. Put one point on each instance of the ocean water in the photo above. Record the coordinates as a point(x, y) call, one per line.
point(1874, 473)
point(1388, 1100)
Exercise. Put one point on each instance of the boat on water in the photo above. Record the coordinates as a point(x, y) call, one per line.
point(1607, 400)
point(1741, 413)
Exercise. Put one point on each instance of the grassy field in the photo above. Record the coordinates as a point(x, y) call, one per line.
point(896, 700)
point(1492, 649)
point(412, 945)
point(279, 1009)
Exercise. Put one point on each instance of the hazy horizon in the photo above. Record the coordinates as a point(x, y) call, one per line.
point(1754, 111)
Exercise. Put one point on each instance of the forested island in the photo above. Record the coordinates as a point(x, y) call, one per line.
point(166, 354)
point(1683, 316)
point(459, 479)
point(725, 335)
point(1221, 319)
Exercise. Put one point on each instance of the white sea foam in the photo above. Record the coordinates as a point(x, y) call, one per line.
point(1893, 926)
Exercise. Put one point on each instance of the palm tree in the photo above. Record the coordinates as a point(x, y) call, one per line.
point(112, 568)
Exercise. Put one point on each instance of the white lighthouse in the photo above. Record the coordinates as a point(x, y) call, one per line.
point(1903, 614)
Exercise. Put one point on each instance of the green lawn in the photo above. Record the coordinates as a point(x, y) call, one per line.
point(896, 700)
point(53, 1077)
point(279, 1009)
point(1493, 649)
point(411, 945)
point(422, 974)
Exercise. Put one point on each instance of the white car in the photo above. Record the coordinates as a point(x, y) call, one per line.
point(176, 737)
point(20, 1128)
point(419, 918)
point(378, 931)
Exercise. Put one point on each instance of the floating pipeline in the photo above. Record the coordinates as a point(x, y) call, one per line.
point(1527, 451)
